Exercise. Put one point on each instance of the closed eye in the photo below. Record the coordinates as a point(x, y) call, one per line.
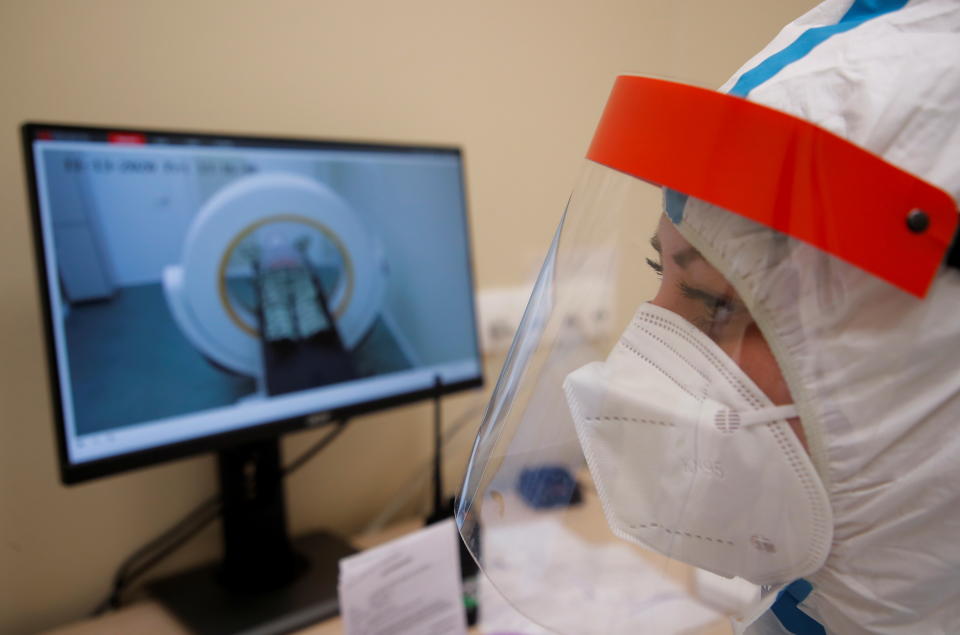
point(717, 304)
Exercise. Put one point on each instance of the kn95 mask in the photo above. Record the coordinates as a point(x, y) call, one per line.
point(692, 460)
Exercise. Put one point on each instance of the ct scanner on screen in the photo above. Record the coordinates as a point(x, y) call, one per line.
point(279, 216)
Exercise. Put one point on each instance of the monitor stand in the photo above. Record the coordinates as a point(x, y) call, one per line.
point(265, 583)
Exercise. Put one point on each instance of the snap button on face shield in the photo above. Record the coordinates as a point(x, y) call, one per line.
point(918, 221)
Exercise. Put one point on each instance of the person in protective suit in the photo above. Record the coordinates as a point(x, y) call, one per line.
point(781, 409)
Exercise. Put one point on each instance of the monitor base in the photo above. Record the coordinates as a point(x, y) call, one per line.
point(205, 607)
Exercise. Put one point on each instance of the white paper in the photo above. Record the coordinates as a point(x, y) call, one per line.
point(636, 597)
point(410, 586)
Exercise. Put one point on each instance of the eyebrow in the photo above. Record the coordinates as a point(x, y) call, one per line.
point(683, 257)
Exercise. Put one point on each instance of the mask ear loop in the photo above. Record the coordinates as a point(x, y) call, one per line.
point(767, 415)
point(952, 258)
point(729, 421)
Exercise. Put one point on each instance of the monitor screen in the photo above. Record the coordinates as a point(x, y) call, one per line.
point(200, 287)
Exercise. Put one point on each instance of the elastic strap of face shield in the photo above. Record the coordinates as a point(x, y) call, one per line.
point(953, 255)
point(780, 171)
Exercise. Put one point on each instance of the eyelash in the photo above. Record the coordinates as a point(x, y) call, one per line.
point(714, 305)
point(656, 266)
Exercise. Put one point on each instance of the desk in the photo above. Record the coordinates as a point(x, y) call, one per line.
point(149, 617)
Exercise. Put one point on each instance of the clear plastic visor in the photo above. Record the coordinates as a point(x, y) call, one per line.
point(640, 467)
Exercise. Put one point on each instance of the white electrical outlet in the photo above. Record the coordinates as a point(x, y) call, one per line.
point(501, 310)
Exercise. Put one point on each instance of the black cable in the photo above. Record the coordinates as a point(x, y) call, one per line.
point(162, 552)
point(312, 451)
point(195, 520)
point(438, 506)
point(186, 528)
point(414, 486)
point(195, 517)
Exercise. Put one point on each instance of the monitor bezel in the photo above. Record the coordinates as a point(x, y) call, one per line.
point(73, 473)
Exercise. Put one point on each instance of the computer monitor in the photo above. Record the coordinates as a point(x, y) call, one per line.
point(203, 292)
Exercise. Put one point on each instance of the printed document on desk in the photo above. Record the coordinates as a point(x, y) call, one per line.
point(410, 586)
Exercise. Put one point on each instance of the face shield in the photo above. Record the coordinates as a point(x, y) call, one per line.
point(646, 462)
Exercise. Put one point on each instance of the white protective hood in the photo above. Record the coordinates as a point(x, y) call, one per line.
point(875, 372)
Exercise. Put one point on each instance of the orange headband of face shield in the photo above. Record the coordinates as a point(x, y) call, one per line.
point(780, 171)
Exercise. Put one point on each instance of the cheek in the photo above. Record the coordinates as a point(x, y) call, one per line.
point(749, 350)
point(757, 361)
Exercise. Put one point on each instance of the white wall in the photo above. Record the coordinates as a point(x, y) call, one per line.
point(518, 83)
